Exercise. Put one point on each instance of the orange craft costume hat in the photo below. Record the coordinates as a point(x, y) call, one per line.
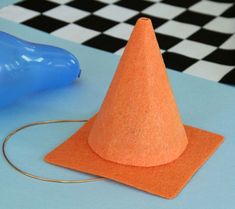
point(137, 137)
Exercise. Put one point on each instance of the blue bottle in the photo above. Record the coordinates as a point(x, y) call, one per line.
point(26, 68)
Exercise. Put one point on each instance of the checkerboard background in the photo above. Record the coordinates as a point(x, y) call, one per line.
point(195, 36)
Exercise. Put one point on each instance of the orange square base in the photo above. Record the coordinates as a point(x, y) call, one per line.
point(165, 180)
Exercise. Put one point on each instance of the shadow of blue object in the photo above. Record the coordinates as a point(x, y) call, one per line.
point(27, 67)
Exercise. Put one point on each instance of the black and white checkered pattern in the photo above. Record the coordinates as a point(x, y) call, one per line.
point(196, 37)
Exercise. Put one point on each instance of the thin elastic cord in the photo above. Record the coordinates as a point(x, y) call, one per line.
point(6, 140)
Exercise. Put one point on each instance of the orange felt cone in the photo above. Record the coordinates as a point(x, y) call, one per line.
point(144, 126)
point(137, 138)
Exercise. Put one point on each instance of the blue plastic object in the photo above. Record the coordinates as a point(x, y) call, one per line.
point(26, 68)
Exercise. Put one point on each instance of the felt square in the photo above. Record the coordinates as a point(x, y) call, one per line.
point(164, 180)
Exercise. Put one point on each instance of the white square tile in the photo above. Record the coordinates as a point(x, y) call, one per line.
point(116, 13)
point(210, 7)
point(163, 10)
point(108, 1)
point(60, 1)
point(192, 49)
point(177, 29)
point(66, 13)
point(17, 13)
point(222, 24)
point(120, 51)
point(208, 70)
point(75, 33)
point(229, 44)
point(122, 31)
point(162, 51)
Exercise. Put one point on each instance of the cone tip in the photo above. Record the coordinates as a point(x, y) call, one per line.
point(144, 20)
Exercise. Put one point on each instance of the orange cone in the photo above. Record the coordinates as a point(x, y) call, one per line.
point(137, 138)
point(144, 126)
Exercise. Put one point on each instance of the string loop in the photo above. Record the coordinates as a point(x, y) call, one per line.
point(6, 140)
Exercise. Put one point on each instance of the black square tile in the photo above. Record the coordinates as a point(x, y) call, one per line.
point(39, 6)
point(222, 56)
point(181, 3)
point(177, 62)
point(155, 20)
point(45, 23)
point(87, 5)
point(230, 12)
point(165, 42)
point(106, 43)
point(229, 78)
point(209, 37)
point(136, 5)
point(96, 23)
point(194, 18)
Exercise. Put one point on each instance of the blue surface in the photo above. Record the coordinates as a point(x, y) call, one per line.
point(202, 103)
point(7, 2)
point(27, 67)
